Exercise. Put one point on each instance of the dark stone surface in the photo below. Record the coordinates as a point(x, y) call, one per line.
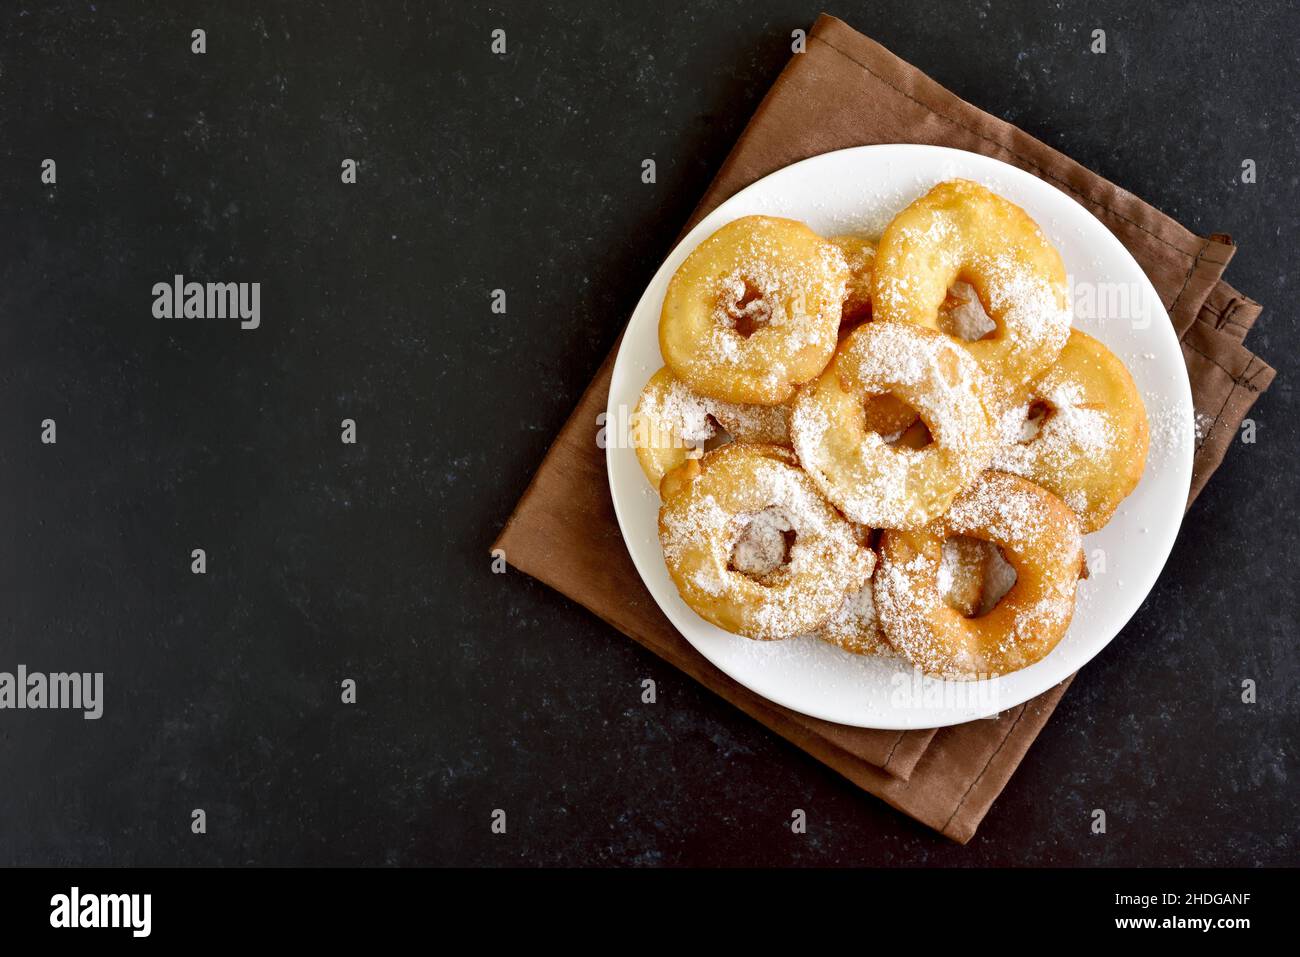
point(329, 561)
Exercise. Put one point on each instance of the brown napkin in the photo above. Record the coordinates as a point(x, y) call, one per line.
point(847, 90)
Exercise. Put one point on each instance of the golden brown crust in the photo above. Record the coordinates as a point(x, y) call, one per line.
point(1091, 447)
point(1041, 539)
point(870, 481)
point(754, 311)
point(704, 516)
point(672, 423)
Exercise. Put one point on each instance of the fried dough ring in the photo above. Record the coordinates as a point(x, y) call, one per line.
point(753, 311)
point(671, 424)
point(708, 504)
point(962, 231)
point(1041, 539)
point(1091, 445)
point(885, 486)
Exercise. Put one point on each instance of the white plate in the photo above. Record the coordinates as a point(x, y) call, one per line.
point(860, 190)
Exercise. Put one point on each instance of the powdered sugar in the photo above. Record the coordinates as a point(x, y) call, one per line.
point(754, 310)
point(670, 412)
point(855, 626)
point(874, 483)
point(1012, 514)
point(1029, 309)
point(1069, 428)
point(1171, 431)
point(679, 412)
point(725, 540)
point(949, 569)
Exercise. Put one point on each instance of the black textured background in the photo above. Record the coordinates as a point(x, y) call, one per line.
point(329, 561)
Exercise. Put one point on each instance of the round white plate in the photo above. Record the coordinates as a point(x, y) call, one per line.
point(860, 190)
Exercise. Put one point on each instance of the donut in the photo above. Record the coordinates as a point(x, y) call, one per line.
point(751, 545)
point(960, 231)
point(871, 482)
point(1083, 435)
point(1041, 539)
point(671, 424)
point(753, 311)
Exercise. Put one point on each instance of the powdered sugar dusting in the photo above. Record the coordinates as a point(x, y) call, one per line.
point(1012, 514)
point(746, 494)
point(688, 414)
point(890, 486)
point(1071, 428)
point(1171, 432)
point(754, 310)
point(855, 627)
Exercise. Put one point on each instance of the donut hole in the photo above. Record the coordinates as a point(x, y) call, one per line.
point(915, 437)
point(884, 413)
point(1030, 423)
point(746, 306)
point(974, 575)
point(999, 577)
point(717, 440)
point(963, 316)
point(764, 546)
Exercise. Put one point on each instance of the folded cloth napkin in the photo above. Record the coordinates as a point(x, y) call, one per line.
point(846, 90)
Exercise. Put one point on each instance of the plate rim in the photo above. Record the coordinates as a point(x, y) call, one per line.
point(923, 719)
